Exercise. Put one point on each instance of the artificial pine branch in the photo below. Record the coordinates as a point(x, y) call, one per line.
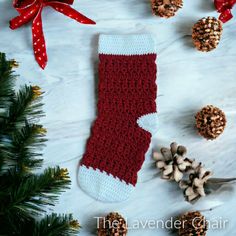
point(21, 149)
point(18, 138)
point(26, 105)
point(7, 81)
point(60, 225)
point(25, 195)
point(50, 225)
point(7, 94)
point(28, 195)
point(25, 146)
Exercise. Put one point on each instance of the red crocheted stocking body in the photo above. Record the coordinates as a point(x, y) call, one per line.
point(127, 91)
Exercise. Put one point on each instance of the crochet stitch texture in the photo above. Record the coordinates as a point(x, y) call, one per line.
point(127, 91)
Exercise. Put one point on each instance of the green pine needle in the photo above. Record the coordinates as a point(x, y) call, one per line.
point(26, 105)
point(60, 225)
point(50, 225)
point(23, 152)
point(7, 82)
point(29, 194)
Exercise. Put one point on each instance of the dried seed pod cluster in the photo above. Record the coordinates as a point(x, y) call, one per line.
point(172, 162)
point(166, 8)
point(210, 122)
point(193, 223)
point(189, 174)
point(112, 225)
point(207, 33)
point(194, 186)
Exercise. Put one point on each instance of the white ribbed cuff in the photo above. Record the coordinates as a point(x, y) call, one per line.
point(126, 44)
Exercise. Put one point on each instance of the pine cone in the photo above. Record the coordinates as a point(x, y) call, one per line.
point(172, 162)
point(194, 187)
point(166, 8)
point(112, 225)
point(210, 122)
point(193, 223)
point(207, 34)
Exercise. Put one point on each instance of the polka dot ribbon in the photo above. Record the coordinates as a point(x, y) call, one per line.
point(30, 10)
point(224, 7)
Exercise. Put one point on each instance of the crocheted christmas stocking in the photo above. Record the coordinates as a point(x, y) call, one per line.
point(126, 118)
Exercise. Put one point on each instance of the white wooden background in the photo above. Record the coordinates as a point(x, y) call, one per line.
point(187, 80)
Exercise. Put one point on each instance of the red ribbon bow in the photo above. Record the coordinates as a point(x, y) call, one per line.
point(31, 10)
point(224, 7)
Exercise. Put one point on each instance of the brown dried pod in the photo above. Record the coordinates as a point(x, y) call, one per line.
point(166, 8)
point(112, 225)
point(207, 33)
point(210, 122)
point(193, 223)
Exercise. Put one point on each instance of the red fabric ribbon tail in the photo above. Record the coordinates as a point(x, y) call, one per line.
point(226, 16)
point(224, 7)
point(39, 44)
point(72, 13)
point(24, 17)
point(218, 5)
point(15, 22)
